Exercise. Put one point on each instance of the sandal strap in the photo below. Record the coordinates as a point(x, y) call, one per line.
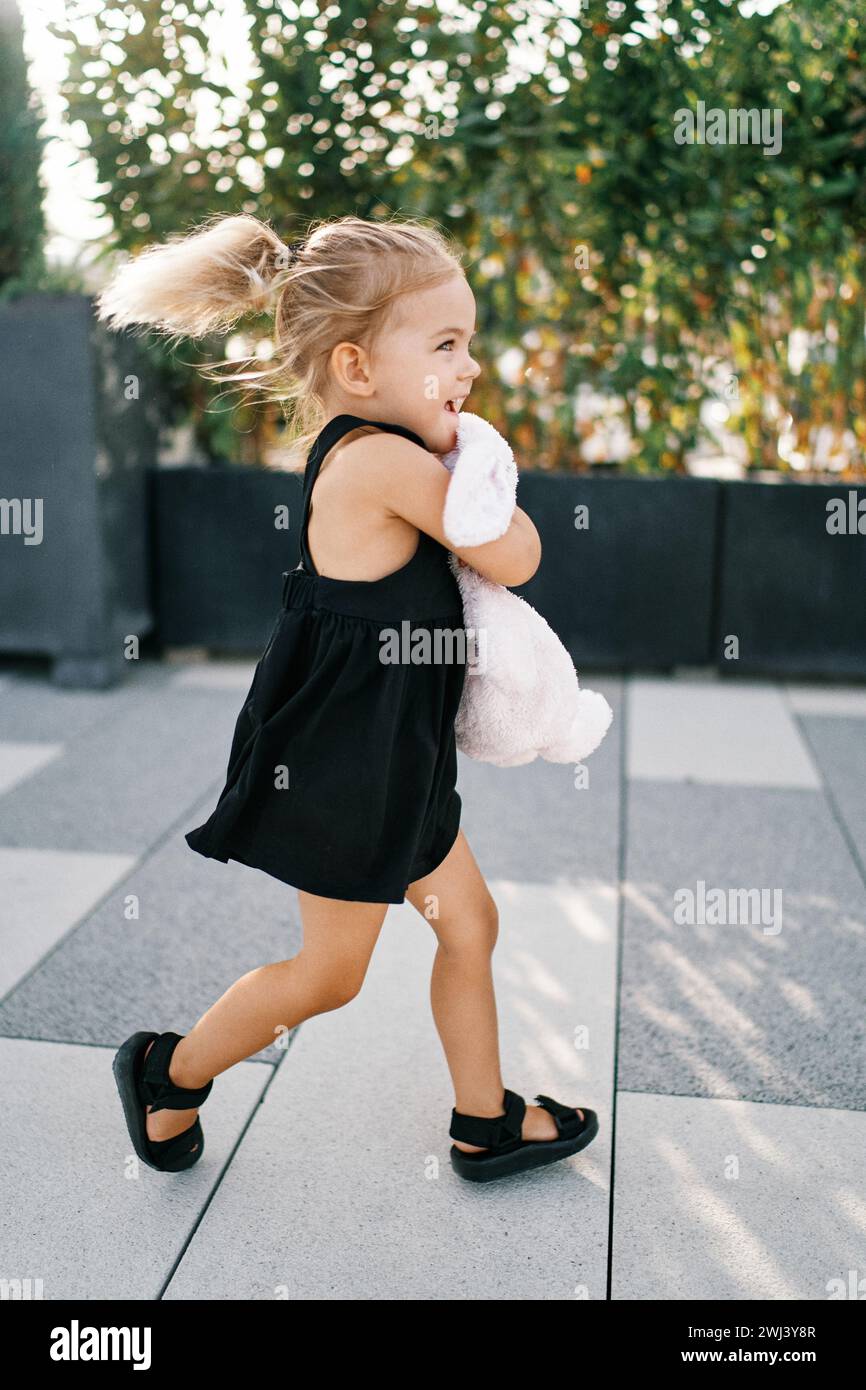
point(568, 1122)
point(158, 1090)
point(179, 1145)
point(489, 1132)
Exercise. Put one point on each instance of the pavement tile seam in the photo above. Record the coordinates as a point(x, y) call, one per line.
point(736, 1202)
point(711, 700)
point(92, 907)
point(775, 1104)
point(215, 1186)
point(30, 758)
point(131, 690)
point(829, 795)
point(137, 863)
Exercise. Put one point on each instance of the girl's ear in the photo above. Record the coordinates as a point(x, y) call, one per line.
point(351, 367)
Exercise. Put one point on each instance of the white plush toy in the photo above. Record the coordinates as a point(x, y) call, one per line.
point(521, 698)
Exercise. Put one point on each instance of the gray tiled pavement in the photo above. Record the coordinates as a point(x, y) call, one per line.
point(725, 1059)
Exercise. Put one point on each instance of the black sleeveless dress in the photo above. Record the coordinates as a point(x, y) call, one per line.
point(342, 770)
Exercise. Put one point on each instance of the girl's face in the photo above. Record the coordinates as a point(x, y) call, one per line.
point(420, 371)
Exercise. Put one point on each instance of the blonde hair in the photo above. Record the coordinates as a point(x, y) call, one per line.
point(339, 282)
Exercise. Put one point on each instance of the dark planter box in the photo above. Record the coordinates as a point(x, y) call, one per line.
point(636, 587)
point(219, 555)
point(633, 589)
point(665, 570)
point(794, 594)
point(74, 444)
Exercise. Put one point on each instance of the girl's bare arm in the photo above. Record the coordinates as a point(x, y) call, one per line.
point(412, 483)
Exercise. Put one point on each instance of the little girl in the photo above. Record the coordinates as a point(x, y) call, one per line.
point(342, 770)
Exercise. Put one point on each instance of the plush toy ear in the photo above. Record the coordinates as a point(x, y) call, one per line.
point(590, 721)
point(482, 493)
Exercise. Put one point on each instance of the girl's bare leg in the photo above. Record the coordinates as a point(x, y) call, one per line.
point(327, 972)
point(461, 987)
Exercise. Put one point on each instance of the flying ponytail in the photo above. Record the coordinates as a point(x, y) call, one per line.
point(196, 284)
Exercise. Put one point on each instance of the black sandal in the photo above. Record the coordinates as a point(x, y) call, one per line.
point(145, 1081)
point(505, 1151)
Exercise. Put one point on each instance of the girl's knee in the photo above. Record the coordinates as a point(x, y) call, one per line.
point(338, 999)
point(329, 989)
point(333, 993)
point(472, 933)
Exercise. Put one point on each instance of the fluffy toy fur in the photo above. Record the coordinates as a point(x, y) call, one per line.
point(521, 697)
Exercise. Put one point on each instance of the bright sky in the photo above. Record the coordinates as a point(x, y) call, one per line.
point(69, 175)
point(69, 179)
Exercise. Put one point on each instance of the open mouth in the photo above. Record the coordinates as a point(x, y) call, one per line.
point(453, 406)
